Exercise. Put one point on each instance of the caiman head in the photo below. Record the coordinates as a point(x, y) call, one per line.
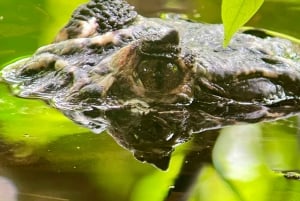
point(153, 82)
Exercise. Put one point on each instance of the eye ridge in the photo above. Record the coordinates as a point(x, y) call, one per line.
point(162, 51)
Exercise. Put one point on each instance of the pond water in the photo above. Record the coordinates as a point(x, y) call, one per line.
point(45, 156)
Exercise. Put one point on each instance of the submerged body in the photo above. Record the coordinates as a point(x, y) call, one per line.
point(153, 82)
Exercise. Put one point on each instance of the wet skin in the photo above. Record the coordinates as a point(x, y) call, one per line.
point(153, 82)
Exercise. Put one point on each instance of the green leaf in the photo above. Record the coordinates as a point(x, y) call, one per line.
point(235, 13)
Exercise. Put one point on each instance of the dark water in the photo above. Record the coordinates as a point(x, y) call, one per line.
point(45, 156)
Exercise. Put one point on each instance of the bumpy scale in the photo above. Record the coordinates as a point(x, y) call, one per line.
point(153, 82)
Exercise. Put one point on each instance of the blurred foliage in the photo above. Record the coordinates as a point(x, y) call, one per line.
point(40, 148)
point(238, 156)
point(243, 170)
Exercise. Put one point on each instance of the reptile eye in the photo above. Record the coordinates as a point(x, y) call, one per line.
point(159, 75)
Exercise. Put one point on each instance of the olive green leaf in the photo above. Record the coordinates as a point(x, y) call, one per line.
point(235, 13)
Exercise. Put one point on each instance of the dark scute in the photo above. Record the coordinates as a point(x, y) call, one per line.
point(271, 61)
point(257, 33)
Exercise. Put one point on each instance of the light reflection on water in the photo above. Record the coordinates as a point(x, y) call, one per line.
point(8, 190)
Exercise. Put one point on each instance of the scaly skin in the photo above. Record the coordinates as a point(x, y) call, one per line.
point(153, 82)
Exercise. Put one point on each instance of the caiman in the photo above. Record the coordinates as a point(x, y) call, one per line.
point(154, 82)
